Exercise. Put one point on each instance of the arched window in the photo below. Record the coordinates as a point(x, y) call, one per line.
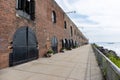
point(65, 25)
point(71, 31)
point(74, 32)
point(53, 17)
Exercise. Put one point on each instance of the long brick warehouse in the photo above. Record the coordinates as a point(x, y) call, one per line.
point(29, 28)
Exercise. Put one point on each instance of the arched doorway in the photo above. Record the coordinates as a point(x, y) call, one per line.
point(66, 44)
point(63, 43)
point(70, 45)
point(24, 46)
point(72, 42)
point(54, 45)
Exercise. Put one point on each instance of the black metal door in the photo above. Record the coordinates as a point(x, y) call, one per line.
point(63, 43)
point(24, 46)
point(66, 44)
point(72, 43)
point(54, 44)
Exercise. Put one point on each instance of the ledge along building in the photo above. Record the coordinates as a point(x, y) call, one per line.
point(29, 28)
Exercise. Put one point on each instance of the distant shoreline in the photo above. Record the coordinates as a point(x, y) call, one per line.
point(114, 46)
point(112, 55)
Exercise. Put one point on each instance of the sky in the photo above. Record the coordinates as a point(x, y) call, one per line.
point(99, 20)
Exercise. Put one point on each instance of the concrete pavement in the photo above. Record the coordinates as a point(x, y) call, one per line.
point(77, 64)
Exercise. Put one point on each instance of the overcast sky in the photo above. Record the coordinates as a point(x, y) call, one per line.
point(99, 20)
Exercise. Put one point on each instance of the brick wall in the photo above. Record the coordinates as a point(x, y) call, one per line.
point(42, 26)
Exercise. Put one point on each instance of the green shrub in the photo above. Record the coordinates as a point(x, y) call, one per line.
point(50, 51)
point(95, 45)
point(114, 59)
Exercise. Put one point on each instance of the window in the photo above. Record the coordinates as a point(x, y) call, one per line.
point(65, 25)
point(53, 17)
point(71, 31)
point(26, 8)
point(74, 32)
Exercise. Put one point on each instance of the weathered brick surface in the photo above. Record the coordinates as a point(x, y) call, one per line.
point(43, 26)
point(4, 60)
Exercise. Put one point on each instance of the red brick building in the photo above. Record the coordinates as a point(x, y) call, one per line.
point(29, 28)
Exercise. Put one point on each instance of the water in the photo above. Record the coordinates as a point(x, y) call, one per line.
point(115, 46)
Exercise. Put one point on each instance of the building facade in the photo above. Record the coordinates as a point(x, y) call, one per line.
point(29, 28)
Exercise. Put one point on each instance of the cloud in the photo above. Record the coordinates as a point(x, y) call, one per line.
point(103, 15)
point(105, 12)
point(101, 34)
point(78, 17)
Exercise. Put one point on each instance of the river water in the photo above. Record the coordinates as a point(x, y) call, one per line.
point(115, 46)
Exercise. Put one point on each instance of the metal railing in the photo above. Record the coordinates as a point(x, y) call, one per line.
point(109, 69)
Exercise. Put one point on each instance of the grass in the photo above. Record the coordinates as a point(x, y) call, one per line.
point(114, 59)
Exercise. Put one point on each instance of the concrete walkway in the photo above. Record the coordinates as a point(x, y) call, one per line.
point(77, 64)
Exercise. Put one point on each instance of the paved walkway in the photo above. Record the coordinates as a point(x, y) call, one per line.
point(77, 64)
